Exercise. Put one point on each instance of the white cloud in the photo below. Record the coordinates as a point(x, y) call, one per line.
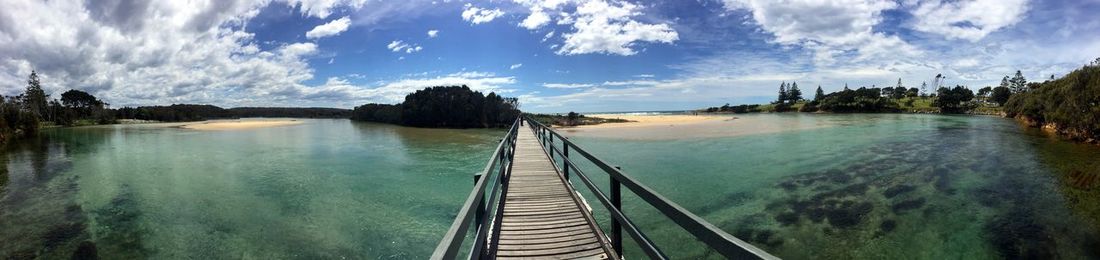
point(598, 26)
point(968, 20)
point(477, 15)
point(394, 92)
point(163, 52)
point(148, 53)
point(515, 66)
point(548, 36)
point(535, 20)
point(399, 46)
point(323, 8)
point(433, 33)
point(560, 85)
point(333, 28)
point(848, 26)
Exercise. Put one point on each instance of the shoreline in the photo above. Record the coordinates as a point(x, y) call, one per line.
point(237, 124)
point(651, 120)
point(211, 125)
point(671, 127)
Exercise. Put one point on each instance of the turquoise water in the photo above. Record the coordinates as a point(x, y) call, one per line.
point(872, 187)
point(852, 187)
point(326, 189)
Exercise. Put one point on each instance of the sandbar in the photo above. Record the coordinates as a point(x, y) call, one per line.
point(237, 124)
point(669, 127)
point(654, 120)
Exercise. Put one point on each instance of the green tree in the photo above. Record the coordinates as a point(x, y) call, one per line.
point(898, 91)
point(35, 99)
point(782, 93)
point(1000, 95)
point(954, 100)
point(80, 99)
point(794, 94)
point(912, 92)
point(819, 94)
point(983, 93)
point(572, 117)
point(1018, 82)
point(1069, 104)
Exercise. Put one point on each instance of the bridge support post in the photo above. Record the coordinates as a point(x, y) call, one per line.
point(616, 227)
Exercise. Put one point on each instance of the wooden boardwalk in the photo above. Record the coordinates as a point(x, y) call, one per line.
point(543, 217)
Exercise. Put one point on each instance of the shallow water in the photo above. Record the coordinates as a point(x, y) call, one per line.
point(324, 189)
point(872, 187)
point(853, 186)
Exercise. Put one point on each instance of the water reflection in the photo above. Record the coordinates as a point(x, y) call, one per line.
point(37, 201)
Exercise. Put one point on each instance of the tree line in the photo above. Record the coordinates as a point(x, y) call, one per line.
point(23, 115)
point(444, 106)
point(1069, 105)
point(957, 99)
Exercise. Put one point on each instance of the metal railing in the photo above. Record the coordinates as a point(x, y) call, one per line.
point(477, 205)
point(722, 242)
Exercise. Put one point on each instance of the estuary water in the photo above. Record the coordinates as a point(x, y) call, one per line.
point(850, 187)
point(868, 186)
point(324, 189)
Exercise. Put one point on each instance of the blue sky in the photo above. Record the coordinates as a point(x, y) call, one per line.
point(555, 55)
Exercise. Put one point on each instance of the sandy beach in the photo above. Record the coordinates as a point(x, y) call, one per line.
point(655, 120)
point(237, 124)
point(667, 127)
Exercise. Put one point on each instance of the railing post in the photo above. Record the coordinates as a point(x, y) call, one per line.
point(479, 212)
point(617, 202)
point(564, 161)
point(550, 137)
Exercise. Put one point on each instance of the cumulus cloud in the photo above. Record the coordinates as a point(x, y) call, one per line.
point(849, 25)
point(323, 8)
point(162, 52)
point(536, 19)
point(598, 26)
point(515, 66)
point(333, 28)
point(394, 92)
point(477, 15)
point(433, 33)
point(967, 20)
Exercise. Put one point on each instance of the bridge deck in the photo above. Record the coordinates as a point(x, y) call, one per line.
point(543, 217)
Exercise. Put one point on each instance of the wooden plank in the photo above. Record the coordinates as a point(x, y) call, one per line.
point(517, 236)
point(550, 227)
point(542, 217)
point(543, 222)
point(578, 255)
point(547, 246)
point(547, 239)
point(552, 251)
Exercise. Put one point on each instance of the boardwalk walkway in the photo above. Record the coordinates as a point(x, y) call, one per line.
point(542, 217)
point(523, 206)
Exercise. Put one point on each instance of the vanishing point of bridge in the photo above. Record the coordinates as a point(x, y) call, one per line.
point(525, 205)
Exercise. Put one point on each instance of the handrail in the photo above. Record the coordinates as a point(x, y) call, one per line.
point(722, 242)
point(475, 205)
